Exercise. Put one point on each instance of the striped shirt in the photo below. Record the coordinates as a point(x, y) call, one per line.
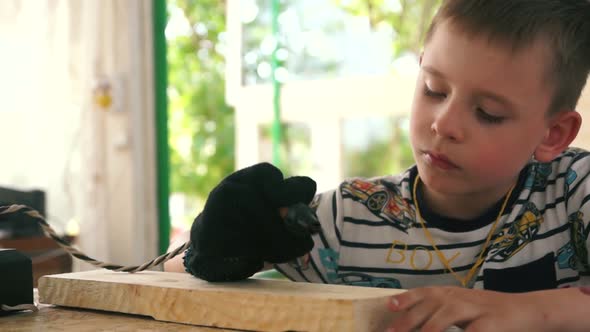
point(370, 235)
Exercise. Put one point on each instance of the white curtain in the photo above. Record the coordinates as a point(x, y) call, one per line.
point(95, 159)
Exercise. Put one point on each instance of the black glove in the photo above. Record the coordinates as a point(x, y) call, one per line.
point(240, 227)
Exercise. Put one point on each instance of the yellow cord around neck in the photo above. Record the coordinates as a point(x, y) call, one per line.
point(464, 281)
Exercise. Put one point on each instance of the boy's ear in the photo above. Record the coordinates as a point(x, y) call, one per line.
point(563, 129)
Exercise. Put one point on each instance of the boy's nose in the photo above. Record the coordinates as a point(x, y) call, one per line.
point(448, 125)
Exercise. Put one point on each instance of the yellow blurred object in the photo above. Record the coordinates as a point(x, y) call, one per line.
point(103, 100)
point(103, 96)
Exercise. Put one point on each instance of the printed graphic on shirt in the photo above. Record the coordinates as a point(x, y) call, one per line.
point(538, 177)
point(329, 259)
point(574, 255)
point(517, 235)
point(570, 177)
point(417, 258)
point(383, 201)
point(532, 276)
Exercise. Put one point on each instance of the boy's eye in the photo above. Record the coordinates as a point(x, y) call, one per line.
point(488, 118)
point(430, 93)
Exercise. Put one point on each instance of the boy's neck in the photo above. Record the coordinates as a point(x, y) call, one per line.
point(463, 207)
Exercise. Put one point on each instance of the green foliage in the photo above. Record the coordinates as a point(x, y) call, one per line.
point(201, 125)
point(295, 147)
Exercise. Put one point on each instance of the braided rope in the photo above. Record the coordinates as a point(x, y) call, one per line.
point(49, 232)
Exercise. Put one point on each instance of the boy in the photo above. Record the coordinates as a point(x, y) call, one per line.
point(496, 204)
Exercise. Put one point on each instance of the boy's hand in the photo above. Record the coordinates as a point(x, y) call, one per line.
point(240, 227)
point(433, 309)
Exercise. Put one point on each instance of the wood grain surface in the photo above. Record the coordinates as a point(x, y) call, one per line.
point(51, 318)
point(252, 305)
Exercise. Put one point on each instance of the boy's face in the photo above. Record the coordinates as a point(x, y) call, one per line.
point(479, 112)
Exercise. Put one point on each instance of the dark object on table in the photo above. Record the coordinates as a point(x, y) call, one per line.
point(23, 233)
point(21, 225)
point(16, 279)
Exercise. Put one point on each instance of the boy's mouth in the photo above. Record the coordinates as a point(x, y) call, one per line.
point(439, 160)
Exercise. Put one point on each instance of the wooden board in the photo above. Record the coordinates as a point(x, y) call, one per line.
point(253, 304)
point(52, 318)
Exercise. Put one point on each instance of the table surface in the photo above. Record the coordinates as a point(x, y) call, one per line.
point(56, 318)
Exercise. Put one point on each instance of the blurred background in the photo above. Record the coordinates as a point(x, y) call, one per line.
point(119, 116)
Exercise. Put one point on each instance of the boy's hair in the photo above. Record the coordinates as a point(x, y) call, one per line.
point(517, 24)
